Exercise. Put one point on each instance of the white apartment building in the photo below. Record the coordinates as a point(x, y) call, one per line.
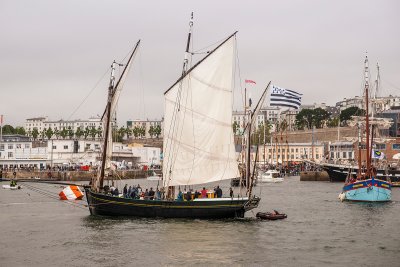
point(146, 124)
point(41, 123)
point(383, 103)
point(270, 114)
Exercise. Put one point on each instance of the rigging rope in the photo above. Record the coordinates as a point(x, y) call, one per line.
point(51, 195)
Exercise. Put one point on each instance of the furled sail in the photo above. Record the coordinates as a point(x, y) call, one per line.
point(114, 103)
point(114, 93)
point(198, 136)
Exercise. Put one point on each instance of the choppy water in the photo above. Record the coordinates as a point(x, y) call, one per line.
point(320, 231)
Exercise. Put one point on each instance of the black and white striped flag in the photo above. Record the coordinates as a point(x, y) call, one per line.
point(285, 98)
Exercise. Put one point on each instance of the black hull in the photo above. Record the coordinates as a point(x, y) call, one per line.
point(338, 173)
point(101, 204)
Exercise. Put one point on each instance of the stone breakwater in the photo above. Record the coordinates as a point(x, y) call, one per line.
point(72, 175)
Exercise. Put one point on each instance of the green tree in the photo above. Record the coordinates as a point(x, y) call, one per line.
point(128, 132)
point(79, 133)
point(332, 122)
point(307, 118)
point(142, 132)
point(43, 133)
point(235, 127)
point(8, 129)
point(345, 115)
point(86, 133)
point(35, 133)
point(304, 119)
point(319, 117)
point(49, 133)
point(93, 132)
point(57, 133)
point(99, 132)
point(20, 130)
point(157, 130)
point(136, 132)
point(64, 133)
point(151, 131)
point(70, 132)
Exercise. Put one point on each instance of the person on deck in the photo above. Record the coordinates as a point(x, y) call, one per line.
point(125, 190)
point(218, 192)
point(180, 196)
point(158, 194)
point(188, 195)
point(151, 193)
point(204, 193)
point(231, 192)
point(146, 194)
point(196, 194)
point(116, 192)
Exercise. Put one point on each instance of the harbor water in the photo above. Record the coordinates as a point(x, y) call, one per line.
point(37, 229)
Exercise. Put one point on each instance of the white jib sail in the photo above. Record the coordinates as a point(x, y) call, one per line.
point(198, 136)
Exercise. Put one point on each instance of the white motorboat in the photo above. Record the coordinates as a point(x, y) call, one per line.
point(269, 176)
point(154, 177)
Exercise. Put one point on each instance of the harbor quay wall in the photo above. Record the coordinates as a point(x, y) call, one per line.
point(72, 175)
point(320, 135)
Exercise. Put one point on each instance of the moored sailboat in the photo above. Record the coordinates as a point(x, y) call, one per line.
point(198, 146)
point(364, 186)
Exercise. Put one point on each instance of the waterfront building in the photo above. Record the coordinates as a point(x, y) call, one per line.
point(88, 152)
point(289, 152)
point(17, 151)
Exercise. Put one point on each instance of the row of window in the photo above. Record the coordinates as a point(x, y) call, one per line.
point(345, 155)
point(11, 146)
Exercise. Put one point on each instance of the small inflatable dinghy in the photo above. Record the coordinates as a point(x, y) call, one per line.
point(11, 187)
point(271, 215)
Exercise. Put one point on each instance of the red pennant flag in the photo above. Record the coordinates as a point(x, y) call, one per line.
point(249, 81)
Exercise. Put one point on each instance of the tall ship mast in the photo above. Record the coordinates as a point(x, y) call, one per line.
point(365, 185)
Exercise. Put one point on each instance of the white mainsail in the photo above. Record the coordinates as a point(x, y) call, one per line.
point(198, 136)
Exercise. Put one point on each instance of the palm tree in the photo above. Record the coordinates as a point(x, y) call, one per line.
point(151, 131)
point(136, 132)
point(157, 130)
point(43, 133)
point(35, 133)
point(86, 132)
point(57, 133)
point(49, 133)
point(78, 133)
point(93, 132)
point(64, 133)
point(99, 132)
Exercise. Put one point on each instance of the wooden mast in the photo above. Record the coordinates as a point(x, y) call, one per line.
point(171, 189)
point(367, 130)
point(107, 133)
point(111, 92)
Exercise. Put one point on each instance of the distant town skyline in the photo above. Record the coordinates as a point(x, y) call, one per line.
point(57, 54)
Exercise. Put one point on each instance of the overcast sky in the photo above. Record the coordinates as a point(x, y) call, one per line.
point(53, 53)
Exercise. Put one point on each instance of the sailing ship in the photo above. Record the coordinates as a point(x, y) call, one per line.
point(365, 186)
point(198, 144)
point(339, 171)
